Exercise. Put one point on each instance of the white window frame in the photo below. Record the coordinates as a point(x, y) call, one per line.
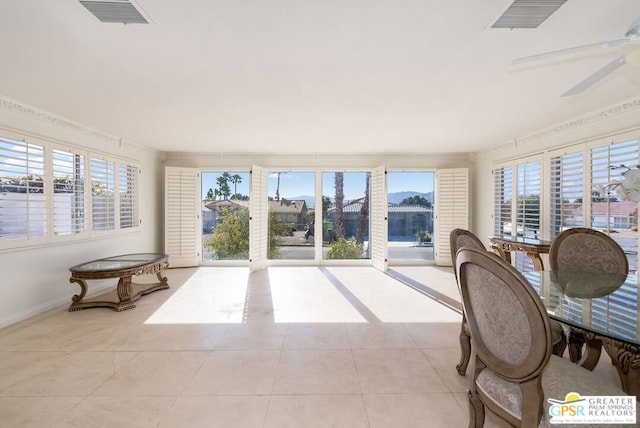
point(85, 231)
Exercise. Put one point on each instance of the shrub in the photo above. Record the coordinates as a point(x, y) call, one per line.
point(344, 249)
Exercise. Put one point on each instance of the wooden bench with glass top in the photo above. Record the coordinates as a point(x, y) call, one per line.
point(124, 267)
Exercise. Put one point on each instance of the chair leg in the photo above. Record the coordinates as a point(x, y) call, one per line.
point(465, 348)
point(560, 346)
point(476, 411)
point(576, 341)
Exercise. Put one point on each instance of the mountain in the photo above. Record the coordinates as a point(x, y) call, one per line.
point(393, 198)
point(397, 197)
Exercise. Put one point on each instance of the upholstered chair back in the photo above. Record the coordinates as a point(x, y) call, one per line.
point(587, 250)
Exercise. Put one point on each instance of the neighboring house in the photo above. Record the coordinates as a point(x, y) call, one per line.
point(619, 215)
point(405, 221)
point(290, 212)
point(211, 211)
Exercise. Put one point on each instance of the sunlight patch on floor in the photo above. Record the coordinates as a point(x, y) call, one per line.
point(211, 295)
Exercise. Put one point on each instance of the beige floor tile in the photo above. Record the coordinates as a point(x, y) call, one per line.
point(236, 373)
point(396, 371)
point(435, 334)
point(315, 336)
point(301, 347)
point(444, 362)
point(67, 374)
point(252, 337)
point(130, 412)
point(316, 411)
point(380, 336)
point(316, 372)
point(217, 412)
point(34, 412)
point(414, 411)
point(154, 373)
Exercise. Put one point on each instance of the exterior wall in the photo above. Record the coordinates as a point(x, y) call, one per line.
point(36, 279)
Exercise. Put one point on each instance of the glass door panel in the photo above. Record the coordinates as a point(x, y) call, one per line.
point(225, 215)
point(291, 215)
point(410, 215)
point(345, 215)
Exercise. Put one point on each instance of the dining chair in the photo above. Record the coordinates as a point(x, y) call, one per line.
point(583, 249)
point(459, 238)
point(514, 372)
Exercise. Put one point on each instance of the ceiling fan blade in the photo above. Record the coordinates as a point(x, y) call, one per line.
point(595, 77)
point(602, 45)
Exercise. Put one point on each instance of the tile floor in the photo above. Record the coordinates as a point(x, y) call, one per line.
point(283, 347)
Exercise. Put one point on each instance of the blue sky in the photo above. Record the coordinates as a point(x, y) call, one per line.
point(293, 184)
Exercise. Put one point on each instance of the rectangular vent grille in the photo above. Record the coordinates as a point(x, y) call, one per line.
point(119, 11)
point(527, 13)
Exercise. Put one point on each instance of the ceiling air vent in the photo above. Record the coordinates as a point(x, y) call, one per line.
point(527, 13)
point(119, 11)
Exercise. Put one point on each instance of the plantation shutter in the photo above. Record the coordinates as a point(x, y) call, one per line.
point(103, 205)
point(378, 236)
point(566, 181)
point(128, 186)
point(22, 201)
point(259, 216)
point(69, 208)
point(503, 195)
point(182, 218)
point(452, 209)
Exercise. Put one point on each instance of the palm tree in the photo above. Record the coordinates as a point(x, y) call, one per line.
point(235, 179)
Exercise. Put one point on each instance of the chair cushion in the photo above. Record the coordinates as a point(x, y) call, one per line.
point(559, 377)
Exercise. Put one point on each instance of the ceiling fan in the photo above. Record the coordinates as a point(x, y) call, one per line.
point(631, 37)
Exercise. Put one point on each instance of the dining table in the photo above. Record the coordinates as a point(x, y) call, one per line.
point(604, 308)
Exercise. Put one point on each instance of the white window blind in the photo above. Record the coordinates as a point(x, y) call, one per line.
point(452, 209)
point(22, 199)
point(528, 191)
point(566, 192)
point(68, 193)
point(102, 194)
point(379, 216)
point(128, 185)
point(182, 221)
point(259, 219)
point(503, 195)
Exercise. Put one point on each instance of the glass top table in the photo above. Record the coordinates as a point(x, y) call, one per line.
point(504, 245)
point(604, 307)
point(124, 267)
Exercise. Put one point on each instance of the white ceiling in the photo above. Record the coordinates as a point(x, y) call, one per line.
point(310, 76)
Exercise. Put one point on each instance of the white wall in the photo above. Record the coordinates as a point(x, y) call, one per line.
point(37, 279)
point(610, 121)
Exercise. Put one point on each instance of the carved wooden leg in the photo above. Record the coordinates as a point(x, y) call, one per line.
point(537, 261)
point(476, 411)
point(465, 348)
point(592, 351)
point(77, 298)
point(124, 289)
point(576, 341)
point(626, 359)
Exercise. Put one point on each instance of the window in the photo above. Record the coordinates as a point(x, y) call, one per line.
point(345, 215)
point(68, 193)
point(102, 194)
point(23, 213)
point(128, 179)
point(291, 215)
point(566, 191)
point(225, 215)
point(44, 196)
point(410, 215)
point(503, 185)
